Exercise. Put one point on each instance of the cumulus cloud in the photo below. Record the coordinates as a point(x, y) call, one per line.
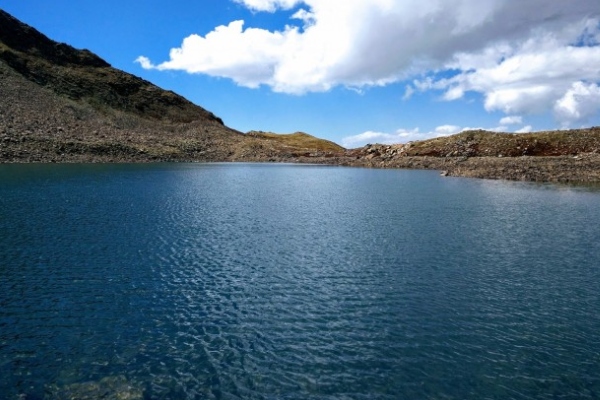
point(580, 102)
point(239, 61)
point(525, 129)
point(546, 72)
point(524, 57)
point(144, 62)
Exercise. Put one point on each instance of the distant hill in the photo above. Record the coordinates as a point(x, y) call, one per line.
point(480, 143)
point(552, 156)
point(300, 141)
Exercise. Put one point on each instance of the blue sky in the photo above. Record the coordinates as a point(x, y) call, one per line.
point(351, 71)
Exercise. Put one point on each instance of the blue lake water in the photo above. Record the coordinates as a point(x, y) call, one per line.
point(259, 281)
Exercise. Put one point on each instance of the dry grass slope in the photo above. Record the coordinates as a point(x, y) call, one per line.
point(300, 141)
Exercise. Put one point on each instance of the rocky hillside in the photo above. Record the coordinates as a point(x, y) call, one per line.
point(554, 156)
point(82, 75)
point(482, 144)
point(60, 104)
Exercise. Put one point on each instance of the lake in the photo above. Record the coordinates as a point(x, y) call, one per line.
point(263, 281)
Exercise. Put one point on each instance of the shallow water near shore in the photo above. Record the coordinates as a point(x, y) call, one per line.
point(261, 281)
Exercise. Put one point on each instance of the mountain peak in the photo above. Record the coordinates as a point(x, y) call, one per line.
point(83, 76)
point(25, 39)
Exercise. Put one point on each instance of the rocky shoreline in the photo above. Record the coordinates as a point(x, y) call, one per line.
point(571, 156)
point(578, 169)
point(581, 169)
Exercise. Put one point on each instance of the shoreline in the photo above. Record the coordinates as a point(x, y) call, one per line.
point(64, 105)
point(580, 169)
point(583, 169)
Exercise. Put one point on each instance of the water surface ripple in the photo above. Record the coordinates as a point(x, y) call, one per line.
point(230, 281)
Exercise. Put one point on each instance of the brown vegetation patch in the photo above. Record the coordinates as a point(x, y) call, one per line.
point(300, 142)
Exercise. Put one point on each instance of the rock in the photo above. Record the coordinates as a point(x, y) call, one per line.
point(113, 387)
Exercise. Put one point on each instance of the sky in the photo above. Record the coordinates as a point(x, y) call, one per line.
point(351, 71)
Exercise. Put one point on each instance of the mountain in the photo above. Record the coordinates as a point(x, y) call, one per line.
point(82, 75)
point(62, 104)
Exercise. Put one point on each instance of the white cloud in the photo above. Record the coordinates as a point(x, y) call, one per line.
point(447, 130)
point(199, 54)
point(408, 92)
point(523, 57)
point(525, 129)
point(400, 136)
point(511, 120)
point(268, 5)
point(542, 73)
point(144, 62)
point(580, 102)
point(375, 42)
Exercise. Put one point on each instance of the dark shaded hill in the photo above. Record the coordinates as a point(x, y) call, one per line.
point(82, 75)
